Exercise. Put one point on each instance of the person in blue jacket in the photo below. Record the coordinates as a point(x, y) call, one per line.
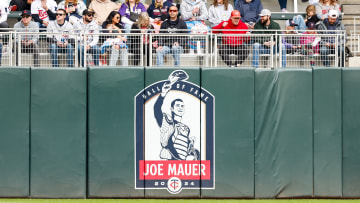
point(250, 10)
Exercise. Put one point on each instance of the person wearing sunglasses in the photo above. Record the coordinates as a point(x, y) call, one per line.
point(88, 26)
point(28, 42)
point(117, 42)
point(171, 43)
point(63, 40)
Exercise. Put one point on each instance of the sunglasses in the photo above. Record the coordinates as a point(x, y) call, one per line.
point(25, 16)
point(90, 15)
point(173, 10)
point(59, 14)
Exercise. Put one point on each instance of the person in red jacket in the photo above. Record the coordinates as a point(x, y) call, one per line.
point(233, 44)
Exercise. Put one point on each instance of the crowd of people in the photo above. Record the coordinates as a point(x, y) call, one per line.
point(246, 17)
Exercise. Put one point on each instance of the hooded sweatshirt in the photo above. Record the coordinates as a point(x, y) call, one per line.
point(90, 28)
point(249, 11)
point(187, 6)
point(228, 29)
point(125, 12)
point(325, 25)
point(172, 27)
point(62, 32)
point(217, 14)
point(102, 9)
point(32, 27)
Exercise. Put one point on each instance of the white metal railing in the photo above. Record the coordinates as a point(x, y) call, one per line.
point(156, 49)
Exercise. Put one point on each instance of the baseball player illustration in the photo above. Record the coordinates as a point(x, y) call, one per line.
point(175, 137)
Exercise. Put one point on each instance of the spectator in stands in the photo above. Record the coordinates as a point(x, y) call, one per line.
point(4, 11)
point(20, 5)
point(328, 44)
point(158, 10)
point(130, 11)
point(102, 9)
point(116, 42)
point(28, 42)
point(291, 43)
point(62, 41)
point(311, 15)
point(193, 10)
point(141, 26)
point(283, 5)
point(233, 44)
point(74, 10)
point(324, 6)
point(219, 11)
point(88, 26)
point(43, 11)
point(250, 10)
point(310, 43)
point(171, 44)
point(263, 44)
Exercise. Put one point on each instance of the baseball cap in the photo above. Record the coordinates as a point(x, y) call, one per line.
point(26, 12)
point(88, 11)
point(290, 23)
point(311, 25)
point(333, 14)
point(235, 13)
point(265, 12)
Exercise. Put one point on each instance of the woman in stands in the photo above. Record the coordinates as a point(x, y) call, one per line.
point(141, 26)
point(130, 11)
point(116, 42)
point(310, 17)
point(158, 10)
point(324, 6)
point(219, 11)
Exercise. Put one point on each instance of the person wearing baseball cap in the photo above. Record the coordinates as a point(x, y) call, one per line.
point(310, 43)
point(28, 41)
point(290, 42)
point(233, 44)
point(263, 44)
point(331, 25)
point(88, 25)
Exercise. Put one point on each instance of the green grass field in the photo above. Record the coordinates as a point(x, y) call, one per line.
point(169, 200)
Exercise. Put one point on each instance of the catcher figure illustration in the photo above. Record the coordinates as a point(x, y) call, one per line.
point(174, 135)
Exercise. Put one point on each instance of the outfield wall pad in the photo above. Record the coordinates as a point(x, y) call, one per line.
point(58, 133)
point(14, 135)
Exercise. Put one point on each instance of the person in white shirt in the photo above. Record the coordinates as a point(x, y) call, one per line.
point(219, 11)
point(63, 40)
point(4, 11)
point(43, 11)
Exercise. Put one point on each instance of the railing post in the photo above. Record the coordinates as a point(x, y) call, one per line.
point(280, 52)
point(142, 48)
point(215, 51)
point(272, 51)
point(10, 48)
point(150, 50)
point(206, 50)
point(81, 50)
point(19, 50)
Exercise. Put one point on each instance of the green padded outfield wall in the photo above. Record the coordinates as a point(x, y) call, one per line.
point(14, 135)
point(283, 133)
point(327, 132)
point(234, 131)
point(58, 132)
point(191, 118)
point(111, 131)
point(351, 132)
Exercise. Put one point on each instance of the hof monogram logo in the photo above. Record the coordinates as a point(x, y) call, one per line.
point(174, 136)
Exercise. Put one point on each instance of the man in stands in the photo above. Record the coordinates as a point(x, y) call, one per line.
point(62, 41)
point(88, 26)
point(43, 11)
point(233, 44)
point(250, 10)
point(173, 44)
point(28, 41)
point(331, 25)
point(102, 9)
point(263, 44)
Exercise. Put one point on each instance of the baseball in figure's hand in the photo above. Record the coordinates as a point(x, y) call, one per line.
point(166, 88)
